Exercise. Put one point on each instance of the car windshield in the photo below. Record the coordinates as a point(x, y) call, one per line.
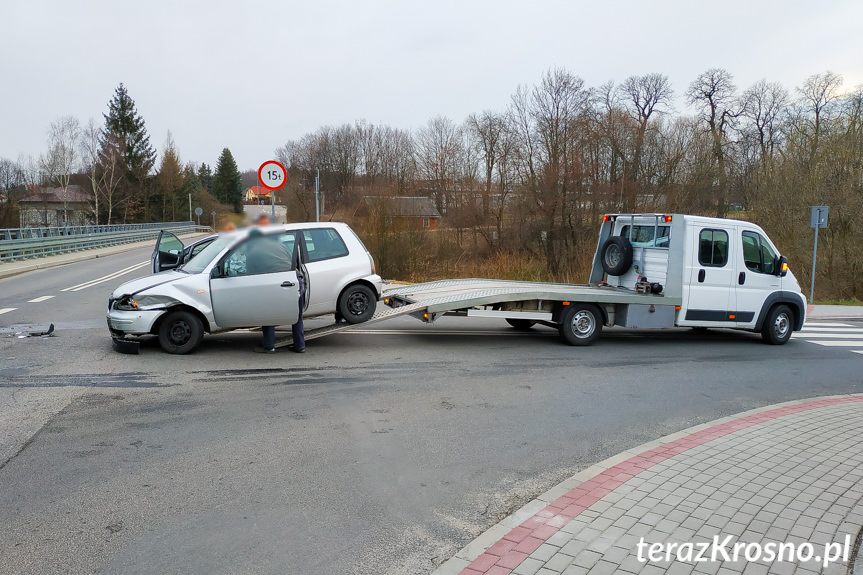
point(197, 264)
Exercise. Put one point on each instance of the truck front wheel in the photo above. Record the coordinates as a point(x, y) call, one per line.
point(777, 325)
point(581, 324)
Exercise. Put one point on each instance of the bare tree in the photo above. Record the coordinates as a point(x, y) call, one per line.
point(817, 96)
point(438, 146)
point(763, 103)
point(61, 160)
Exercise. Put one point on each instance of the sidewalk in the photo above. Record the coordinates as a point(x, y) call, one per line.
point(10, 269)
point(790, 474)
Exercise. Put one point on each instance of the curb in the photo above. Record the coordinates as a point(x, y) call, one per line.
point(537, 514)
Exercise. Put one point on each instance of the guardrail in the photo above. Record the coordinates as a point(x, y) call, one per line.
point(26, 243)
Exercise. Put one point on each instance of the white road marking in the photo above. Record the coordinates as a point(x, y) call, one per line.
point(7, 309)
point(832, 330)
point(837, 343)
point(856, 351)
point(106, 278)
point(824, 324)
point(40, 299)
point(834, 335)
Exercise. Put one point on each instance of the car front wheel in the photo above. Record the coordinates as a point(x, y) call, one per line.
point(180, 332)
point(357, 303)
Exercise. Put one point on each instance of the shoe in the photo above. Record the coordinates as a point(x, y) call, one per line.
point(298, 350)
point(260, 349)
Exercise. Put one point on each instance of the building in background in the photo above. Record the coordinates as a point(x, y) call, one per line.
point(56, 207)
point(400, 212)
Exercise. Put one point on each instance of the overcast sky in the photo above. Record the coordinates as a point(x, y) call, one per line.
point(251, 75)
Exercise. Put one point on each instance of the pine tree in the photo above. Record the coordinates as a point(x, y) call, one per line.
point(205, 177)
point(126, 125)
point(169, 181)
point(227, 187)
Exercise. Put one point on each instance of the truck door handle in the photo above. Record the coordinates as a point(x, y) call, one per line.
point(701, 275)
point(741, 278)
point(288, 284)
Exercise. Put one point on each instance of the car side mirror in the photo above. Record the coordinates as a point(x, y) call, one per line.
point(216, 272)
point(781, 266)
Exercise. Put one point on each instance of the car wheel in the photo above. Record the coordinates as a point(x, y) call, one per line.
point(521, 324)
point(357, 303)
point(616, 255)
point(777, 325)
point(180, 332)
point(581, 324)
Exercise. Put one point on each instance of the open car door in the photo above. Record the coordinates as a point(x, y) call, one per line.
point(168, 254)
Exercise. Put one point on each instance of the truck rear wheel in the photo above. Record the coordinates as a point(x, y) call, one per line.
point(520, 324)
point(777, 325)
point(581, 324)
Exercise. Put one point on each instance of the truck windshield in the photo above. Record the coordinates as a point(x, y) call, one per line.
point(642, 236)
point(197, 264)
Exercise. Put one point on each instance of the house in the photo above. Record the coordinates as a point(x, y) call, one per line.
point(257, 195)
point(403, 213)
point(55, 207)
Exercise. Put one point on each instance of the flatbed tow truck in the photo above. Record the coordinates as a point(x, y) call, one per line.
point(704, 272)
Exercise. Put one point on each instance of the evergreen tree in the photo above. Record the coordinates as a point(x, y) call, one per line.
point(169, 181)
point(205, 177)
point(226, 183)
point(126, 125)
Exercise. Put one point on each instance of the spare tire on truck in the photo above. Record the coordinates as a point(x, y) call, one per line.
point(616, 255)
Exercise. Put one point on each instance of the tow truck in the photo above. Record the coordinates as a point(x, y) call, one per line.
point(651, 271)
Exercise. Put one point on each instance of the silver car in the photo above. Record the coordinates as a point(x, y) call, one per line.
point(206, 287)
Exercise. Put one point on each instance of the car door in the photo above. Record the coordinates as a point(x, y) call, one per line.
point(756, 277)
point(710, 300)
point(324, 256)
point(255, 285)
point(168, 253)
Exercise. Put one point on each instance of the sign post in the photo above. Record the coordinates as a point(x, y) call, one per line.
point(198, 212)
point(272, 176)
point(818, 219)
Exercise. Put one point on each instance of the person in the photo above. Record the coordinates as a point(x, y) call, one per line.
point(229, 227)
point(266, 256)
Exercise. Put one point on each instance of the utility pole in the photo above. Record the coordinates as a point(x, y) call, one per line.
point(317, 191)
point(190, 207)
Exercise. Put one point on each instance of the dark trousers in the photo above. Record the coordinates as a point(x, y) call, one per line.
point(269, 331)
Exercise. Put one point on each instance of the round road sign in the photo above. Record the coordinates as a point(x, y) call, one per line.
point(272, 175)
point(198, 211)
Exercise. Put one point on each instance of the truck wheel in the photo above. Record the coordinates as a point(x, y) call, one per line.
point(357, 303)
point(581, 324)
point(180, 332)
point(777, 325)
point(616, 255)
point(521, 324)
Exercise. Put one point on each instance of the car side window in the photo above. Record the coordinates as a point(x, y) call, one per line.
point(758, 256)
point(324, 244)
point(713, 248)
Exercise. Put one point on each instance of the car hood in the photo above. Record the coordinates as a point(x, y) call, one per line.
point(144, 283)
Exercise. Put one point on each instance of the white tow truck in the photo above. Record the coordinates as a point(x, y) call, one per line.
point(649, 271)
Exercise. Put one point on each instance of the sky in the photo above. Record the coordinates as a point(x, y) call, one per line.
point(252, 75)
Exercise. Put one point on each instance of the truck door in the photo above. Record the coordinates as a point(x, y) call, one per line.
point(711, 296)
point(755, 277)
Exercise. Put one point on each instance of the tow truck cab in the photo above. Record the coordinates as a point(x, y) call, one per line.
point(717, 273)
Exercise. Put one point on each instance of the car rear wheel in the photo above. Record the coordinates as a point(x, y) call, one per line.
point(180, 332)
point(357, 303)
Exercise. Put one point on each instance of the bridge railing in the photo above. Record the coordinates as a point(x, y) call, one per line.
point(26, 243)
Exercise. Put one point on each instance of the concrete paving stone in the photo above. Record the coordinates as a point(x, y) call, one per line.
point(708, 567)
point(545, 571)
point(575, 570)
point(562, 538)
point(679, 568)
point(544, 552)
point(528, 567)
point(626, 522)
point(782, 568)
point(614, 513)
point(618, 555)
point(601, 506)
point(759, 526)
point(753, 568)
point(776, 533)
point(559, 562)
point(734, 528)
point(587, 559)
point(712, 503)
point(601, 523)
point(603, 568)
point(682, 534)
point(602, 544)
point(694, 523)
point(717, 522)
point(631, 564)
point(807, 521)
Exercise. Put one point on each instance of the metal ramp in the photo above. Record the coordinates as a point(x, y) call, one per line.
point(384, 314)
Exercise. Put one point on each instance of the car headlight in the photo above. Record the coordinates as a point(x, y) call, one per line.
point(126, 303)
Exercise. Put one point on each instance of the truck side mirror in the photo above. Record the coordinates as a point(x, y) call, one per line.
point(781, 266)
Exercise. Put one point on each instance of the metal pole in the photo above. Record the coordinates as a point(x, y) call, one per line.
point(273, 204)
point(317, 191)
point(190, 207)
point(814, 256)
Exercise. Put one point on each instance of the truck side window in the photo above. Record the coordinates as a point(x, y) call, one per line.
point(713, 248)
point(757, 253)
point(642, 236)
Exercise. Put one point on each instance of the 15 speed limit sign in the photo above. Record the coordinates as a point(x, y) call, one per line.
point(272, 175)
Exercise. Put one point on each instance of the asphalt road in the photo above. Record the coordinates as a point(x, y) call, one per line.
point(379, 451)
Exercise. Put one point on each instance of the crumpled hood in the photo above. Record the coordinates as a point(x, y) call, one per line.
point(147, 282)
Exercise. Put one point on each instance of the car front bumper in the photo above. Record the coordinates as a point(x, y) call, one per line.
point(138, 322)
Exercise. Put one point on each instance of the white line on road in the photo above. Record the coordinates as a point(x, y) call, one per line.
point(7, 309)
point(856, 351)
point(824, 324)
point(842, 343)
point(832, 329)
point(833, 335)
point(40, 299)
point(106, 278)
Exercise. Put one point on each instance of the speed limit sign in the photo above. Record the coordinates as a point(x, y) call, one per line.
point(272, 175)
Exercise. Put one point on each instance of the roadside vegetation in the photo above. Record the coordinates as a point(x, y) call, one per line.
point(520, 191)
